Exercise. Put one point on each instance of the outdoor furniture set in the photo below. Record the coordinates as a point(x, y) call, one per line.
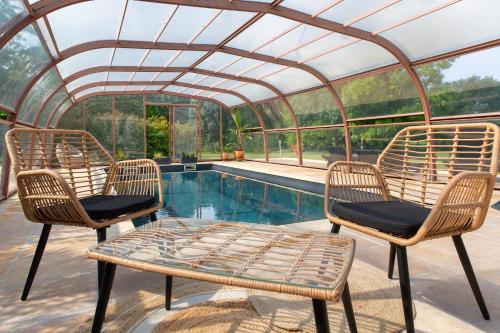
point(430, 182)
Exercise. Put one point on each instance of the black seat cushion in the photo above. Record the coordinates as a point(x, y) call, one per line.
point(103, 207)
point(399, 218)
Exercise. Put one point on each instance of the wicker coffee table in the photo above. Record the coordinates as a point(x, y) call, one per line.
point(310, 264)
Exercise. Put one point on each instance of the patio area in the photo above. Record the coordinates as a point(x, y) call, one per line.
point(65, 287)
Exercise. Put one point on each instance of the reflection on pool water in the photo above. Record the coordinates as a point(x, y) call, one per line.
point(220, 196)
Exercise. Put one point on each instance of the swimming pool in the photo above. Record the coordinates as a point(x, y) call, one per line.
point(220, 196)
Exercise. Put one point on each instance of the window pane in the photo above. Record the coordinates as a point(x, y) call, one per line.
point(320, 148)
point(57, 99)
point(469, 84)
point(275, 114)
point(21, 59)
point(99, 120)
point(253, 145)
point(210, 143)
point(65, 106)
point(315, 107)
point(129, 127)
point(282, 148)
point(392, 92)
point(41, 90)
point(73, 118)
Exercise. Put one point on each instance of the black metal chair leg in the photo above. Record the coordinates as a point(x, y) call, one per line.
point(404, 283)
point(101, 237)
point(102, 302)
point(321, 316)
point(349, 312)
point(392, 259)
point(168, 292)
point(36, 260)
point(335, 228)
point(152, 216)
point(469, 272)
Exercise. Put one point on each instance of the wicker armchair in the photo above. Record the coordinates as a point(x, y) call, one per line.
point(430, 182)
point(66, 177)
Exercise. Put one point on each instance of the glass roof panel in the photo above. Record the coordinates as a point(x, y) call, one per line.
point(154, 87)
point(255, 92)
point(96, 77)
point(307, 6)
point(294, 39)
point(457, 26)
point(135, 27)
point(167, 76)
point(345, 11)
point(159, 58)
point(229, 100)
point(191, 77)
point(9, 9)
point(355, 58)
point(144, 76)
point(20, 59)
point(46, 85)
point(211, 81)
point(261, 32)
point(217, 61)
point(58, 97)
point(186, 58)
point(128, 57)
point(292, 80)
point(89, 91)
point(243, 65)
point(46, 37)
point(174, 89)
point(187, 21)
point(190, 91)
point(224, 25)
point(86, 21)
point(92, 58)
point(228, 84)
point(114, 88)
point(119, 76)
point(318, 47)
point(134, 88)
point(265, 69)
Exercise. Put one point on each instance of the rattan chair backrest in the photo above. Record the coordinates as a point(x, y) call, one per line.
point(421, 160)
point(75, 155)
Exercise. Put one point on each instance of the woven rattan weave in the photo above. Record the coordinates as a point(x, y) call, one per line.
point(310, 264)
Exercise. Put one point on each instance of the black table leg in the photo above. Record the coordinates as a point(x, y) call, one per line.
point(104, 292)
point(321, 316)
point(168, 292)
point(349, 312)
point(101, 237)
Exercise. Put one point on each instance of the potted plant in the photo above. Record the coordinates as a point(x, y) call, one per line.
point(159, 158)
point(226, 150)
point(188, 158)
point(239, 131)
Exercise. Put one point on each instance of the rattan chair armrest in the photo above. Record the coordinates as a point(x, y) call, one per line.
point(461, 207)
point(140, 177)
point(358, 182)
point(46, 197)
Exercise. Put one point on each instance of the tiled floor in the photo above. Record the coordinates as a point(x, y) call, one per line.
point(64, 290)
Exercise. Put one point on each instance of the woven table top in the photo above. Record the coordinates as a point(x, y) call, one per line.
point(253, 256)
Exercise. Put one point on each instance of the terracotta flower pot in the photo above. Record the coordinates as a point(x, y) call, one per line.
point(225, 156)
point(239, 155)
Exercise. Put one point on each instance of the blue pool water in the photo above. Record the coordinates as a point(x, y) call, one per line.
point(220, 196)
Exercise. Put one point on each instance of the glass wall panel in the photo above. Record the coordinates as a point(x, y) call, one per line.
point(41, 90)
point(210, 134)
point(368, 142)
point(3, 129)
point(185, 136)
point(388, 93)
point(282, 148)
point(322, 147)
point(9, 9)
point(54, 101)
point(315, 107)
point(275, 114)
point(253, 145)
point(60, 111)
point(129, 127)
point(99, 120)
point(469, 84)
point(73, 118)
point(248, 117)
point(21, 58)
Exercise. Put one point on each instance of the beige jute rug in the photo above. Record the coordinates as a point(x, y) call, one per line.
point(376, 301)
